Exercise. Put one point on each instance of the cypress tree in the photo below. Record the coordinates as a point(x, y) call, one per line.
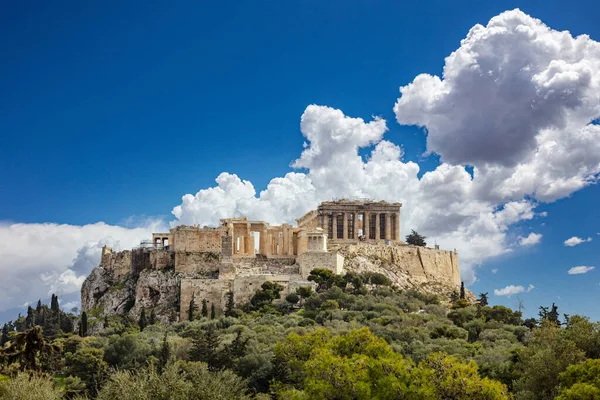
point(204, 308)
point(106, 324)
point(143, 322)
point(192, 309)
point(4, 337)
point(30, 319)
point(54, 304)
point(230, 305)
point(152, 318)
point(83, 325)
point(165, 354)
point(212, 311)
point(462, 290)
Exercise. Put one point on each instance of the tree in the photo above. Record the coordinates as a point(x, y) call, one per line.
point(324, 278)
point(54, 307)
point(292, 298)
point(213, 314)
point(83, 325)
point(165, 353)
point(106, 323)
point(192, 308)
point(550, 315)
point(30, 319)
point(230, 304)
point(4, 337)
point(27, 347)
point(204, 308)
point(483, 299)
point(415, 239)
point(462, 290)
point(205, 344)
point(268, 292)
point(580, 381)
point(142, 322)
point(152, 320)
point(303, 292)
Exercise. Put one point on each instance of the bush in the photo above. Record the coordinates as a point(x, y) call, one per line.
point(25, 387)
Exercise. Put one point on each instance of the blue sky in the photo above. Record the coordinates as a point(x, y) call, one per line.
point(114, 113)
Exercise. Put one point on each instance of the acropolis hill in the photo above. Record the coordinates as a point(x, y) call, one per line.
point(240, 254)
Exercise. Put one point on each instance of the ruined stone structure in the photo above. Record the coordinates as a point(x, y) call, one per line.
point(240, 254)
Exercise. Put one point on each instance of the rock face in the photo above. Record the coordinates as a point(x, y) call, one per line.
point(165, 282)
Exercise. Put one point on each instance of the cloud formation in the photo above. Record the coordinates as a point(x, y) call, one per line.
point(512, 289)
point(530, 240)
point(574, 241)
point(40, 259)
point(580, 270)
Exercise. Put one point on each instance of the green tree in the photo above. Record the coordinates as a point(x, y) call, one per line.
point(165, 353)
point(304, 292)
point(26, 349)
point(580, 381)
point(230, 304)
point(483, 299)
point(292, 298)
point(213, 314)
point(192, 308)
point(446, 377)
point(268, 292)
point(83, 327)
point(152, 320)
point(204, 308)
point(88, 365)
point(548, 353)
point(462, 290)
point(324, 278)
point(143, 322)
point(415, 239)
point(205, 348)
point(4, 336)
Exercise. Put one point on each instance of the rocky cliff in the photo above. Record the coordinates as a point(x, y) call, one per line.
point(128, 282)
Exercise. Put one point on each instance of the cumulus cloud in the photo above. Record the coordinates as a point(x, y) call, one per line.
point(494, 271)
point(574, 241)
point(580, 270)
point(530, 240)
point(517, 100)
point(40, 259)
point(512, 289)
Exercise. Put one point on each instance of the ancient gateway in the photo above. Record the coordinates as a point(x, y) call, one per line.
point(209, 263)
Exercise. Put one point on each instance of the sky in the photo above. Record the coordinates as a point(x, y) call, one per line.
point(482, 118)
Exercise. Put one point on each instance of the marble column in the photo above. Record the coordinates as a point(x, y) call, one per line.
point(345, 216)
point(366, 222)
point(377, 228)
point(388, 225)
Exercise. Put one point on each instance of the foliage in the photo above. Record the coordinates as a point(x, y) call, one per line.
point(415, 239)
point(29, 387)
point(268, 292)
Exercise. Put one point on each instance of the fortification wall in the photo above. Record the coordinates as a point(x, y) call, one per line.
point(331, 261)
point(118, 263)
point(191, 238)
point(213, 290)
point(406, 266)
point(161, 259)
point(197, 262)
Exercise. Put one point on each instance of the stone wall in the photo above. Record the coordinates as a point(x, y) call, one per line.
point(331, 261)
point(197, 263)
point(192, 238)
point(161, 259)
point(213, 290)
point(407, 266)
point(118, 263)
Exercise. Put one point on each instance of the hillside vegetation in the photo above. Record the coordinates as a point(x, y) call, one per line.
point(355, 338)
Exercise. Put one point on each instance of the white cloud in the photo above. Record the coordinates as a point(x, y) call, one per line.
point(530, 240)
point(494, 271)
point(516, 101)
point(580, 270)
point(574, 241)
point(512, 289)
point(39, 259)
